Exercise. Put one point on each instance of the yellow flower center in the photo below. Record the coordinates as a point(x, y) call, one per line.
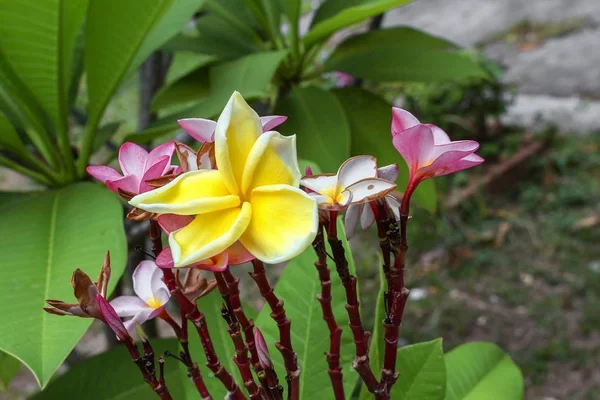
point(154, 303)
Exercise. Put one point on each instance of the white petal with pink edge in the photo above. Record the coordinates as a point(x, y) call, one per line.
point(370, 189)
point(355, 169)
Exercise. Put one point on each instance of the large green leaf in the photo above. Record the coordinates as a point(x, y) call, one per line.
point(9, 367)
point(370, 120)
point(298, 287)
point(113, 376)
point(338, 15)
point(72, 16)
point(422, 372)
point(9, 138)
point(292, 11)
point(479, 370)
point(42, 240)
point(192, 87)
point(402, 54)
point(317, 117)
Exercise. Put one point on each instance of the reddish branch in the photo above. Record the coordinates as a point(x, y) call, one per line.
point(361, 337)
point(335, 332)
point(189, 311)
point(290, 360)
point(146, 365)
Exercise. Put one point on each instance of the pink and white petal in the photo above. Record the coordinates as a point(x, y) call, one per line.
point(164, 150)
point(217, 263)
point(155, 171)
point(345, 198)
point(388, 172)
point(103, 173)
point(142, 279)
point(129, 183)
point(439, 136)
point(370, 189)
point(132, 159)
point(458, 149)
point(203, 130)
point(165, 259)
point(356, 169)
point(319, 183)
point(394, 205)
point(445, 163)
point(351, 218)
point(173, 222)
point(271, 121)
point(158, 282)
point(367, 217)
point(139, 318)
point(238, 254)
point(162, 295)
point(415, 145)
point(110, 317)
point(472, 160)
point(402, 120)
point(128, 306)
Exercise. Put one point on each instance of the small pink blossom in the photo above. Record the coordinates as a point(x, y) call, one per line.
point(203, 130)
point(137, 165)
point(236, 254)
point(343, 79)
point(151, 296)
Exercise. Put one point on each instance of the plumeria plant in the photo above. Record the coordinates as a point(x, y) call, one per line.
point(239, 203)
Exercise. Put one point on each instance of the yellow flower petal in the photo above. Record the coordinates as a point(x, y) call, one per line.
point(272, 161)
point(209, 234)
point(237, 129)
point(191, 193)
point(284, 222)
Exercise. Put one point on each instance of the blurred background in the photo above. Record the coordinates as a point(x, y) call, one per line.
point(507, 252)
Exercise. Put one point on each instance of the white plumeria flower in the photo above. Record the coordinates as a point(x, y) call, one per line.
point(364, 212)
point(356, 182)
point(151, 296)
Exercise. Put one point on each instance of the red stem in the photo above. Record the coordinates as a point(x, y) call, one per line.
point(290, 360)
point(335, 332)
point(361, 337)
point(158, 387)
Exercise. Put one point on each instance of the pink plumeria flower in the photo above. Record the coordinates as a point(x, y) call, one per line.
point(427, 149)
point(343, 79)
point(137, 165)
point(235, 254)
point(364, 213)
point(151, 296)
point(356, 182)
point(203, 130)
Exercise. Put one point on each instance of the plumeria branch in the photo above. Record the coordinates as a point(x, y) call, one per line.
point(335, 332)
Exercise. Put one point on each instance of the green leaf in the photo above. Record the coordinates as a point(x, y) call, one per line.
point(105, 133)
point(9, 367)
point(298, 287)
point(422, 372)
point(317, 117)
point(9, 138)
point(370, 120)
point(192, 87)
point(210, 305)
point(292, 11)
point(113, 376)
point(42, 240)
point(72, 16)
point(476, 370)
point(338, 15)
point(402, 54)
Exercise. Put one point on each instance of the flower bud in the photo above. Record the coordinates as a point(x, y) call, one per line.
point(263, 352)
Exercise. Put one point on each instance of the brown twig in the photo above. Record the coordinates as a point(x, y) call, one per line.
point(335, 332)
point(361, 362)
point(284, 345)
point(146, 365)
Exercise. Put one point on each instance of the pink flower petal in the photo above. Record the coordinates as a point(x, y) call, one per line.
point(110, 318)
point(439, 136)
point(238, 254)
point(142, 280)
point(203, 130)
point(388, 172)
point(165, 259)
point(103, 173)
point(132, 159)
point(158, 285)
point(164, 150)
point(472, 160)
point(262, 349)
point(402, 120)
point(155, 171)
point(128, 306)
point(317, 183)
point(415, 145)
point(129, 183)
point(449, 154)
point(458, 149)
point(394, 205)
point(217, 263)
point(173, 222)
point(356, 169)
point(370, 189)
point(270, 122)
point(139, 318)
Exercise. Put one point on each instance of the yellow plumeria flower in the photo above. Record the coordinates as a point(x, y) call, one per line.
point(253, 197)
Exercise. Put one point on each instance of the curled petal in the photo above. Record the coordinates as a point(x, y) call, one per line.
point(103, 173)
point(172, 222)
point(271, 122)
point(128, 306)
point(139, 319)
point(159, 288)
point(236, 132)
point(188, 159)
point(129, 183)
point(370, 189)
point(284, 222)
point(394, 204)
point(110, 318)
point(203, 130)
point(104, 276)
point(209, 234)
point(61, 308)
point(272, 161)
point(402, 120)
point(238, 254)
point(218, 263)
point(189, 194)
point(367, 217)
point(142, 279)
point(439, 136)
point(455, 150)
point(443, 168)
point(353, 214)
point(132, 159)
point(388, 172)
point(355, 169)
point(164, 150)
point(165, 258)
point(155, 171)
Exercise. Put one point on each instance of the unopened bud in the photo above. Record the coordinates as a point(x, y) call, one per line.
point(261, 348)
